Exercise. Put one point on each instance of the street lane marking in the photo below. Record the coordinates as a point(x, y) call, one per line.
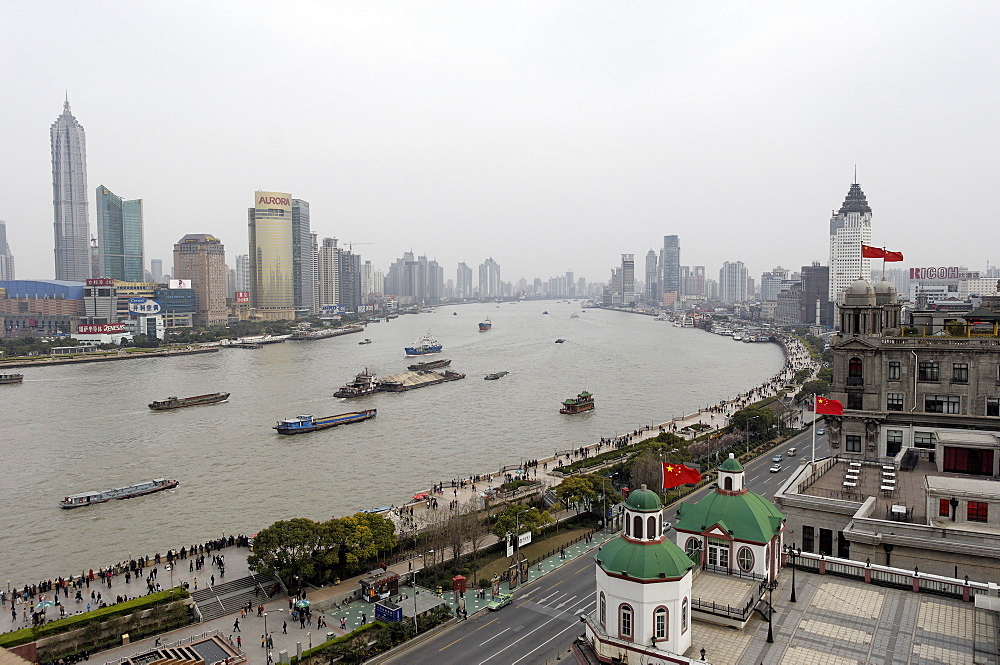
point(569, 627)
point(555, 585)
point(582, 568)
point(565, 602)
point(495, 636)
point(455, 642)
point(524, 603)
point(559, 617)
point(487, 623)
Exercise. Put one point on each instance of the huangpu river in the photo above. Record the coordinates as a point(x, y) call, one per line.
point(70, 429)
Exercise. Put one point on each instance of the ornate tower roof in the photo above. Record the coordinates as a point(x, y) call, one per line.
point(855, 201)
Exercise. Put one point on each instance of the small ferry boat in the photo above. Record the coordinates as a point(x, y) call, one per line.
point(363, 384)
point(301, 424)
point(365, 341)
point(90, 498)
point(560, 340)
point(180, 402)
point(485, 325)
point(11, 378)
point(574, 315)
point(424, 346)
point(582, 402)
point(429, 364)
point(495, 375)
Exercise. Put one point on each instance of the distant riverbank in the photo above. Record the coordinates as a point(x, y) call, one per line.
point(94, 358)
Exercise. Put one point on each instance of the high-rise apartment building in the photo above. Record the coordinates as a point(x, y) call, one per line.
point(773, 282)
point(328, 267)
point(628, 279)
point(850, 227)
point(670, 266)
point(816, 305)
point(349, 280)
point(489, 279)
point(6, 257)
point(302, 258)
point(156, 270)
point(69, 198)
point(201, 258)
point(119, 236)
point(463, 281)
point(243, 272)
point(272, 275)
point(371, 282)
point(733, 282)
point(652, 277)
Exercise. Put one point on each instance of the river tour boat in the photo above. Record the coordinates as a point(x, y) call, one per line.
point(428, 365)
point(11, 378)
point(363, 384)
point(424, 346)
point(365, 341)
point(180, 402)
point(582, 402)
point(485, 325)
point(495, 375)
point(90, 498)
point(308, 423)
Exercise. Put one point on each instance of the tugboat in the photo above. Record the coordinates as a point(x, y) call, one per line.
point(496, 375)
point(485, 325)
point(90, 498)
point(424, 346)
point(560, 340)
point(301, 424)
point(365, 341)
point(180, 402)
point(363, 384)
point(430, 364)
point(582, 402)
point(11, 378)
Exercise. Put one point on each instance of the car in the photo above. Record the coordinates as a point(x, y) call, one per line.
point(792, 452)
point(776, 458)
point(821, 431)
point(499, 601)
point(776, 468)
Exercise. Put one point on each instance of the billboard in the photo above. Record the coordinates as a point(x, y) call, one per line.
point(143, 306)
point(101, 281)
point(952, 272)
point(100, 329)
point(242, 296)
point(523, 539)
point(281, 200)
point(180, 284)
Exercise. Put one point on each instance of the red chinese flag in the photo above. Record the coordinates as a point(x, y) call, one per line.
point(828, 407)
point(891, 257)
point(678, 474)
point(868, 252)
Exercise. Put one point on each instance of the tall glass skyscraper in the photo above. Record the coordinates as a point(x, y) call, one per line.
point(303, 258)
point(119, 237)
point(272, 282)
point(69, 198)
point(6, 257)
point(670, 264)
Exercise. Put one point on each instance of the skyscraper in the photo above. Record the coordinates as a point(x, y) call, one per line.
point(201, 258)
point(733, 282)
point(6, 257)
point(489, 279)
point(119, 237)
point(156, 270)
point(652, 277)
point(69, 198)
point(463, 281)
point(628, 279)
point(850, 227)
point(272, 290)
point(302, 257)
point(670, 265)
point(328, 266)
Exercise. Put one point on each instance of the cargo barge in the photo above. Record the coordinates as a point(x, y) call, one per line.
point(90, 498)
point(398, 383)
point(181, 402)
point(302, 424)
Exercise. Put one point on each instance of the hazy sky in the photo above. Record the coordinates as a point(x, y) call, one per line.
point(551, 136)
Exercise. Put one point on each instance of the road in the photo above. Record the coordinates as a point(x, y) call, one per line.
point(538, 625)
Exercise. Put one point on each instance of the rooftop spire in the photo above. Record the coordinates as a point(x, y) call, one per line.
point(855, 201)
point(66, 104)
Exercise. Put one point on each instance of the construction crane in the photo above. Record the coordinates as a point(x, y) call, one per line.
point(350, 245)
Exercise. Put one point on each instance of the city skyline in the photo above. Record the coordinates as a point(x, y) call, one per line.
point(543, 127)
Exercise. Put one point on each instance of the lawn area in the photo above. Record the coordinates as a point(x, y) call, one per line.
point(532, 551)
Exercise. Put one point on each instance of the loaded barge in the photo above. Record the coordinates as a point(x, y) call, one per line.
point(429, 364)
point(90, 498)
point(180, 402)
point(301, 424)
point(398, 383)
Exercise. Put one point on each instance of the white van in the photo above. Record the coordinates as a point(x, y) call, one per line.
point(791, 452)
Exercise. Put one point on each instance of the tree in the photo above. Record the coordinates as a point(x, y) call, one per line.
point(756, 421)
point(647, 469)
point(591, 491)
point(287, 548)
point(518, 517)
point(810, 388)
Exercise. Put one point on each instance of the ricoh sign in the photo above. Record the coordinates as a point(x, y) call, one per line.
point(100, 329)
point(274, 200)
point(943, 273)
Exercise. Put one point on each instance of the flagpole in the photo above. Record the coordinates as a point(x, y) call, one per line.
point(883, 265)
point(814, 432)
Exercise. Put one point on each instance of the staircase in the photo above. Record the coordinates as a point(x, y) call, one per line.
point(229, 597)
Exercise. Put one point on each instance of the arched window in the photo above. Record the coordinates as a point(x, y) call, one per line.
point(651, 531)
point(625, 621)
point(728, 483)
point(855, 368)
point(692, 545)
point(637, 527)
point(684, 615)
point(660, 624)
point(604, 611)
point(745, 558)
point(628, 527)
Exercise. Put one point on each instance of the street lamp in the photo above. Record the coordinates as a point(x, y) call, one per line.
point(265, 625)
point(770, 612)
point(792, 553)
point(416, 628)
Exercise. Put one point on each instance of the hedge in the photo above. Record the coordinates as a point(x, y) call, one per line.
point(32, 633)
point(329, 644)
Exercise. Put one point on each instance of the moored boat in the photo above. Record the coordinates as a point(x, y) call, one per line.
point(424, 346)
point(429, 364)
point(11, 378)
point(309, 423)
point(495, 375)
point(90, 498)
point(180, 402)
point(363, 384)
point(582, 402)
point(485, 325)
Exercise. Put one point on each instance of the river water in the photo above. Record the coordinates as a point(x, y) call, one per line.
point(70, 429)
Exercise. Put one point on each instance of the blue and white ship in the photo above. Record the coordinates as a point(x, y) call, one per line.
point(423, 346)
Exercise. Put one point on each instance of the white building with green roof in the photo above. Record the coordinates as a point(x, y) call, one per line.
point(732, 530)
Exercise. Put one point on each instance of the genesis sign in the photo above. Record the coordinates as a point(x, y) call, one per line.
point(943, 273)
point(100, 329)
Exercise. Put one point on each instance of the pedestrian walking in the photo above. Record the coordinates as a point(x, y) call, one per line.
point(236, 626)
point(262, 641)
point(239, 642)
point(284, 627)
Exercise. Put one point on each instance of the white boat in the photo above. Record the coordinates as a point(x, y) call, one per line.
point(90, 498)
point(662, 317)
